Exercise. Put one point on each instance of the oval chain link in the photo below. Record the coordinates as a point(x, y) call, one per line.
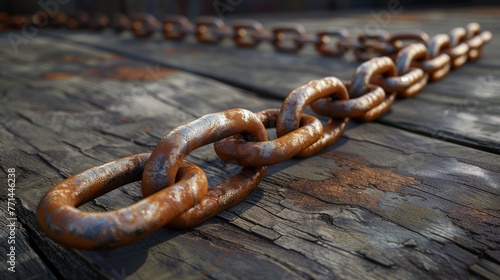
point(237, 150)
point(294, 105)
point(143, 25)
point(58, 216)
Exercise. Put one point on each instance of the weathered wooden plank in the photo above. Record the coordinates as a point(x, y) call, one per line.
point(462, 108)
point(20, 261)
point(382, 203)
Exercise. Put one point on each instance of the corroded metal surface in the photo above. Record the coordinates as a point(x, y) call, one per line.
point(374, 86)
point(324, 37)
point(296, 102)
point(352, 108)
point(237, 150)
point(162, 167)
point(210, 30)
point(411, 80)
point(143, 25)
point(465, 43)
point(176, 27)
point(58, 216)
point(221, 197)
point(279, 37)
point(244, 31)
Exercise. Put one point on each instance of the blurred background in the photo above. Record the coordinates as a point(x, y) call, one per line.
point(193, 8)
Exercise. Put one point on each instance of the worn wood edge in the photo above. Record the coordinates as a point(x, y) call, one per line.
point(261, 230)
point(443, 133)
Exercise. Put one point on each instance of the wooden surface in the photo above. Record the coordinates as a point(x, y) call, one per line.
point(383, 203)
point(462, 109)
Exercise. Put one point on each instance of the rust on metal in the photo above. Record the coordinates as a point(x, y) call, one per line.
point(221, 197)
point(176, 27)
point(367, 71)
point(362, 78)
point(339, 48)
point(370, 45)
point(296, 102)
point(279, 37)
point(210, 30)
point(120, 22)
point(352, 108)
point(5, 21)
point(166, 158)
point(175, 190)
point(163, 165)
point(58, 20)
point(78, 21)
point(459, 49)
point(410, 80)
point(17, 21)
point(41, 19)
point(331, 133)
point(58, 216)
point(414, 36)
point(439, 63)
point(98, 22)
point(237, 150)
point(143, 25)
point(245, 31)
point(476, 39)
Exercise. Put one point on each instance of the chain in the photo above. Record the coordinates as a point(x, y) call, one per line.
point(175, 191)
point(461, 44)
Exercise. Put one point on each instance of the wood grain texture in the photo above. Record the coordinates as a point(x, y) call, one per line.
point(382, 203)
point(463, 108)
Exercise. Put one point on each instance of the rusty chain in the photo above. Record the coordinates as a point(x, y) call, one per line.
point(460, 45)
point(175, 191)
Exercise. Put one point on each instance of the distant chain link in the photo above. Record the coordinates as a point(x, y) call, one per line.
point(175, 191)
point(461, 44)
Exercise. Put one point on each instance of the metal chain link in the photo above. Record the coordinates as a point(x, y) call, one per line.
point(461, 43)
point(175, 190)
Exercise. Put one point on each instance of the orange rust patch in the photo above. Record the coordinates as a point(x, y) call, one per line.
point(171, 50)
point(80, 59)
point(128, 73)
point(304, 200)
point(91, 71)
point(57, 76)
point(350, 180)
point(356, 172)
point(127, 120)
point(472, 219)
point(146, 128)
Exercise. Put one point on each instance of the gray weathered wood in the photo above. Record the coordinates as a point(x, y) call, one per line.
point(26, 263)
point(381, 204)
point(462, 108)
